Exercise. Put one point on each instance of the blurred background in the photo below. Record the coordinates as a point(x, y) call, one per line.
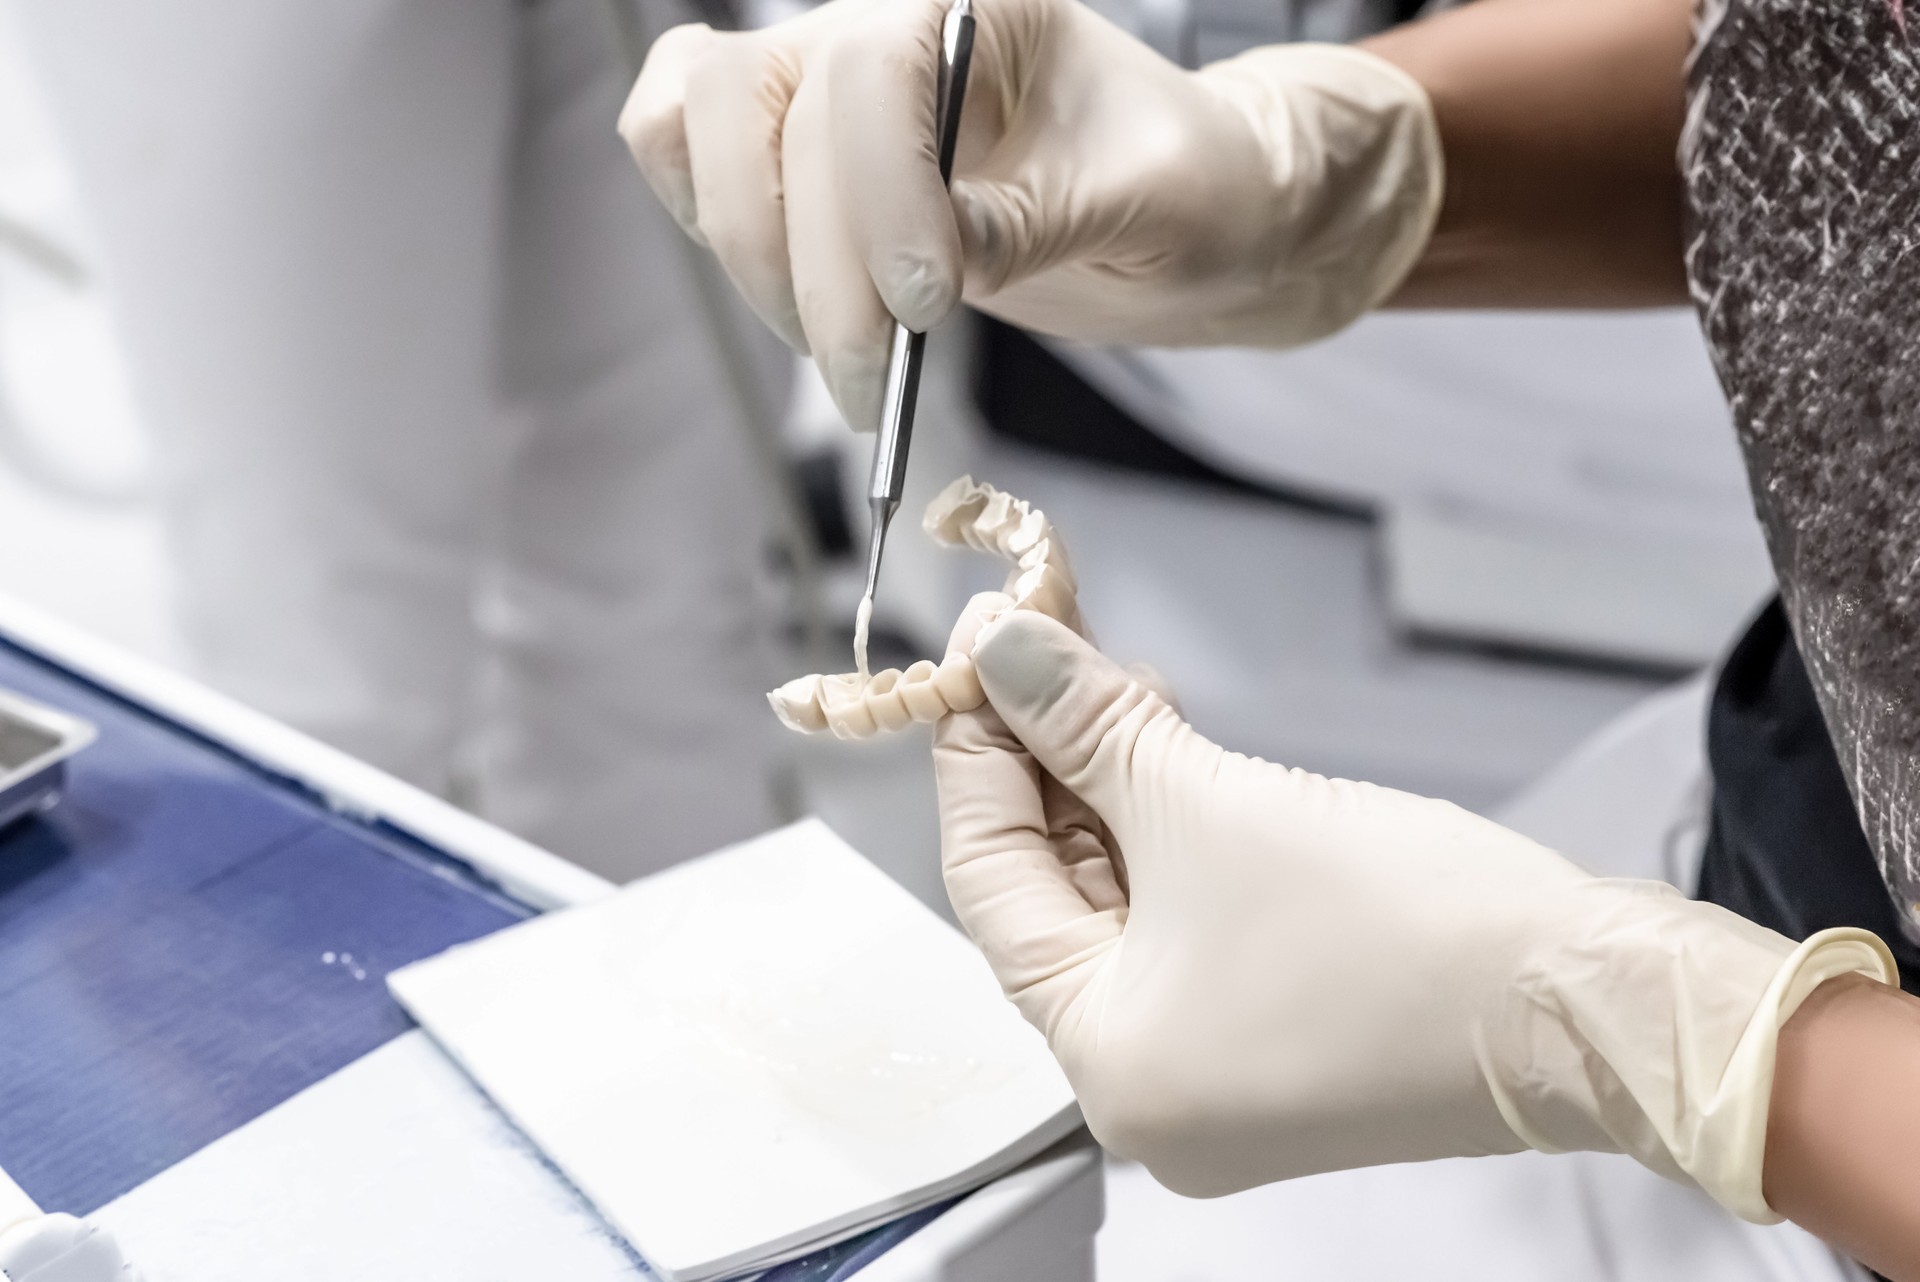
point(536, 536)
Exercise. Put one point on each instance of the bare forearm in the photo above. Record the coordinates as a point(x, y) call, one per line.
point(1559, 119)
point(1843, 1139)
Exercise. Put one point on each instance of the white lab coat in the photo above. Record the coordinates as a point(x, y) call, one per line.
point(451, 478)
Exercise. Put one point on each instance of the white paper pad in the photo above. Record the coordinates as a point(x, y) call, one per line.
point(751, 1055)
point(395, 1169)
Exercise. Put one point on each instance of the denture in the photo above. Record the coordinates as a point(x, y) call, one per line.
point(968, 514)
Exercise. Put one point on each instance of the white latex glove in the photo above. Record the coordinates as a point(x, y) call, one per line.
point(1308, 974)
point(1100, 191)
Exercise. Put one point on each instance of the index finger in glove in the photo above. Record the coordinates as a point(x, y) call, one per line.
point(1025, 863)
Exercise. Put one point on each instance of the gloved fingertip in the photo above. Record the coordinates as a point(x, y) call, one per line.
point(920, 292)
point(1026, 660)
point(672, 184)
point(858, 383)
point(787, 328)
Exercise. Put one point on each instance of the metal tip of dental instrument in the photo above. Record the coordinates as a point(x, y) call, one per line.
point(882, 517)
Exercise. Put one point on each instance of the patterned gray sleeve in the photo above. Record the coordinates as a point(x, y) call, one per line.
point(1801, 158)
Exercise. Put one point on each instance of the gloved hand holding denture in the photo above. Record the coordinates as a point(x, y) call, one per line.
point(1099, 192)
point(1251, 973)
point(1308, 974)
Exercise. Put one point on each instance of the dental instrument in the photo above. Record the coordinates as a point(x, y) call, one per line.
point(889, 476)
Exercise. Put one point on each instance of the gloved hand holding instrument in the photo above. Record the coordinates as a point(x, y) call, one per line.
point(1099, 190)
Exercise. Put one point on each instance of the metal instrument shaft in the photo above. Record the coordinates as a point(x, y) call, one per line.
point(889, 476)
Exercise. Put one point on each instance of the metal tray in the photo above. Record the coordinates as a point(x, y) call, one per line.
point(35, 742)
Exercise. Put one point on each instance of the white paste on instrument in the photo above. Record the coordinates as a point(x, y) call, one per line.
point(858, 705)
point(862, 624)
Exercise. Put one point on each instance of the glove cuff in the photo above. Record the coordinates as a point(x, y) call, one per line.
point(1647, 1025)
point(1727, 1152)
point(1356, 176)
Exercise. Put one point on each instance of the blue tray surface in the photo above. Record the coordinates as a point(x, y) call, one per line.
point(187, 940)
